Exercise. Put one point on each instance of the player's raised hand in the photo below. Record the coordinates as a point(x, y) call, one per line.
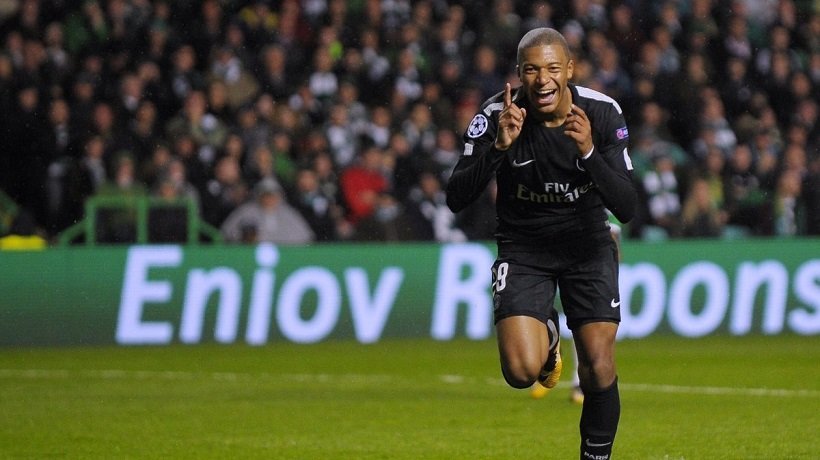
point(579, 129)
point(510, 122)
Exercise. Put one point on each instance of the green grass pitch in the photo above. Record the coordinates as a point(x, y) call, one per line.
point(712, 398)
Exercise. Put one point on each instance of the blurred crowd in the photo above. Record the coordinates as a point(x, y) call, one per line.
point(330, 120)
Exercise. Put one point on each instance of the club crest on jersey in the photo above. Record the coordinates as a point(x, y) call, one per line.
point(478, 126)
point(622, 133)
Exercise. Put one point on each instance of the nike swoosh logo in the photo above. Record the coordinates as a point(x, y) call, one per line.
point(518, 165)
point(595, 444)
point(615, 304)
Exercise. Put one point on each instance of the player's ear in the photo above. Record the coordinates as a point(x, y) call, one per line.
point(570, 69)
point(518, 71)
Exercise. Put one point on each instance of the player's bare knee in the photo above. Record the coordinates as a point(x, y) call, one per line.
point(520, 376)
point(519, 382)
point(600, 374)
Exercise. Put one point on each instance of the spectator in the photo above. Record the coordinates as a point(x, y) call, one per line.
point(700, 216)
point(142, 132)
point(408, 77)
point(258, 22)
point(250, 129)
point(388, 221)
point(811, 194)
point(322, 81)
point(173, 183)
point(441, 108)
point(23, 235)
point(206, 30)
point(407, 165)
point(26, 156)
point(744, 195)
point(326, 175)
point(224, 192)
point(204, 128)
point(660, 188)
point(241, 86)
point(168, 223)
point(379, 126)
point(669, 56)
point(377, 67)
point(274, 76)
point(85, 27)
point(624, 33)
point(362, 183)
point(119, 224)
point(419, 129)
point(446, 153)
point(341, 136)
point(184, 76)
point(427, 206)
point(485, 74)
point(267, 218)
point(788, 209)
point(218, 101)
point(357, 113)
point(735, 42)
point(260, 165)
point(319, 209)
point(610, 77)
point(737, 89)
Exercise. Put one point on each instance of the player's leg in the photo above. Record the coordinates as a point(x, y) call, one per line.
point(526, 322)
point(523, 347)
point(589, 294)
point(595, 343)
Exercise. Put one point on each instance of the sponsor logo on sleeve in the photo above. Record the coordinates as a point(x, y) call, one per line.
point(622, 133)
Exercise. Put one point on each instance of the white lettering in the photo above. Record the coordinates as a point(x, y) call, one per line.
point(370, 314)
point(267, 256)
point(750, 279)
point(453, 289)
point(201, 284)
point(288, 315)
point(643, 321)
point(716, 285)
point(138, 290)
point(806, 320)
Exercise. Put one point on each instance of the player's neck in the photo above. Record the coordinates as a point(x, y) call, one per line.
point(557, 118)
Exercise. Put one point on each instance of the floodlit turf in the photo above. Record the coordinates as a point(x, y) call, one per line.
point(715, 398)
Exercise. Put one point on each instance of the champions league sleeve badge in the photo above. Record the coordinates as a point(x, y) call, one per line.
point(478, 126)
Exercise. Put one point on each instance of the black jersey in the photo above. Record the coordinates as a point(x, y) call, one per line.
point(546, 192)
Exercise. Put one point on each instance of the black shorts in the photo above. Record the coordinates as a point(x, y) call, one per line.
point(525, 280)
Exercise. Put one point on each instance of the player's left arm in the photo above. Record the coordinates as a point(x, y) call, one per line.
point(606, 158)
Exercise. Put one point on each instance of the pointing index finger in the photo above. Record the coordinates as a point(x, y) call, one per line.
point(507, 95)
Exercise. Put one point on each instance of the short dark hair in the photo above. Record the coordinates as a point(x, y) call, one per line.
point(540, 37)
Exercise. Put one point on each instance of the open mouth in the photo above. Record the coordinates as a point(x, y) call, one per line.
point(546, 96)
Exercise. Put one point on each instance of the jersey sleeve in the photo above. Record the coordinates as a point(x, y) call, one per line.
point(610, 165)
point(479, 161)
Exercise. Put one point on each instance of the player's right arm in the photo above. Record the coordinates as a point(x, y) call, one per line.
point(485, 141)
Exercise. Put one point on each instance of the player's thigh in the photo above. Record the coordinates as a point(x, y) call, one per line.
point(589, 290)
point(523, 344)
point(522, 288)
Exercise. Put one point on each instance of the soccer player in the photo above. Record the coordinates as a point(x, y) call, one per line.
point(559, 155)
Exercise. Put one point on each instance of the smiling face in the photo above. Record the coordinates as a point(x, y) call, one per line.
point(544, 71)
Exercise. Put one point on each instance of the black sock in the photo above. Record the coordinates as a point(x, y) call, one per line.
point(599, 422)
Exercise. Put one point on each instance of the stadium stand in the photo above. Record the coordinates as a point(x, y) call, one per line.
point(206, 99)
